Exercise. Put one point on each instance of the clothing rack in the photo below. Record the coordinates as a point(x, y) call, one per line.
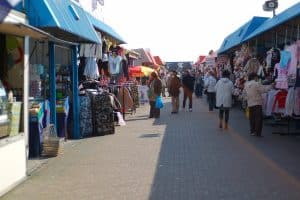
point(123, 99)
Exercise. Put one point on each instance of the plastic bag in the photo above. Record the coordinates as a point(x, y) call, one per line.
point(159, 102)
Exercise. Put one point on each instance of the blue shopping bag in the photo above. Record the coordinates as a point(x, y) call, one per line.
point(159, 102)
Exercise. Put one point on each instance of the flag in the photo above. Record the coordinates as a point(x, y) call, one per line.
point(94, 4)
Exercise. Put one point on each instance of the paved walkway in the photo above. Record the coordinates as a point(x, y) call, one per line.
point(184, 156)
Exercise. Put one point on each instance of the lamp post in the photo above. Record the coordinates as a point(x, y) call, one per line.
point(271, 5)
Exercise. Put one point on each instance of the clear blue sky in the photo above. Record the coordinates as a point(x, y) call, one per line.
point(181, 30)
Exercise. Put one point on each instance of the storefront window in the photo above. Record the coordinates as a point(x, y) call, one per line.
point(11, 84)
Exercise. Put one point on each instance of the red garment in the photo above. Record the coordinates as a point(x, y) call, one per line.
point(280, 99)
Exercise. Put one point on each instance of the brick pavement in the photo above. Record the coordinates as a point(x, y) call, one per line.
point(182, 156)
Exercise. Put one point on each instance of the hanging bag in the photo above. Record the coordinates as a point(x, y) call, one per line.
point(159, 102)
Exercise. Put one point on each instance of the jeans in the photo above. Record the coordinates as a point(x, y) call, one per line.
point(211, 96)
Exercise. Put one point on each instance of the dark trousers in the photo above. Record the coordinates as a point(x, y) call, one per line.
point(256, 119)
point(187, 93)
point(198, 90)
point(154, 112)
point(223, 110)
point(211, 97)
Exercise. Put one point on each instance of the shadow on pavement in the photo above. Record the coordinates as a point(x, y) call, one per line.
point(199, 161)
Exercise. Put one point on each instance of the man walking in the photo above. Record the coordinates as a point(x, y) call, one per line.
point(174, 86)
point(188, 82)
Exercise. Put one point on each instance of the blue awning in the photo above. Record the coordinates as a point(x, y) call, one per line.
point(101, 26)
point(277, 20)
point(238, 36)
point(63, 19)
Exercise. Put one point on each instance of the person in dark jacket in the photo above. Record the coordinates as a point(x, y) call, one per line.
point(155, 89)
point(199, 85)
point(174, 91)
point(188, 82)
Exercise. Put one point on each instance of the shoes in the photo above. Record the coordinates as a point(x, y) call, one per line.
point(174, 112)
point(190, 110)
point(220, 124)
point(253, 134)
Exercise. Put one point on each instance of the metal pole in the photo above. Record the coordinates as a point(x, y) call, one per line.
point(124, 110)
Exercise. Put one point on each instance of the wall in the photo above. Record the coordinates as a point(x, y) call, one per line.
point(13, 160)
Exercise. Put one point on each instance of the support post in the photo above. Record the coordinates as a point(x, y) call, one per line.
point(26, 94)
point(75, 95)
point(52, 77)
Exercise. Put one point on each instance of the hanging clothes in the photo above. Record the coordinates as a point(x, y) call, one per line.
point(269, 58)
point(289, 104)
point(279, 103)
point(282, 79)
point(292, 68)
point(270, 101)
point(297, 84)
point(125, 98)
point(91, 68)
point(125, 67)
point(114, 64)
point(91, 50)
point(103, 114)
point(85, 116)
point(297, 101)
point(285, 57)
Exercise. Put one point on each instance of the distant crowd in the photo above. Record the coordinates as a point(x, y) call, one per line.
point(218, 91)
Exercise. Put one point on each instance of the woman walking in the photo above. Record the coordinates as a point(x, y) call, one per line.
point(224, 89)
point(155, 89)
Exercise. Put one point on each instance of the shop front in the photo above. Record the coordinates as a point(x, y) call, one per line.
point(14, 87)
point(272, 51)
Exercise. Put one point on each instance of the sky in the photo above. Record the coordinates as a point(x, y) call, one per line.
point(181, 30)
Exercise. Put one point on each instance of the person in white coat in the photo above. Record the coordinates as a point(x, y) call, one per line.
point(224, 89)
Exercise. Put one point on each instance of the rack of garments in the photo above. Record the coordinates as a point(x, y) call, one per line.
point(97, 109)
point(284, 108)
